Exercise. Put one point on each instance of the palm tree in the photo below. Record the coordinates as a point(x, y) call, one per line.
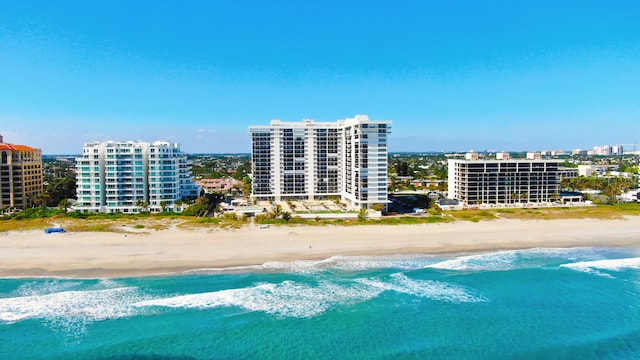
point(163, 205)
point(277, 211)
point(392, 185)
point(362, 214)
point(143, 205)
point(40, 199)
point(63, 204)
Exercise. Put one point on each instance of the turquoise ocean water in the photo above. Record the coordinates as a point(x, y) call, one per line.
point(577, 303)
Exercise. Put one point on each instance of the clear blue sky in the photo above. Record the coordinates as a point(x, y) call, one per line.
point(451, 75)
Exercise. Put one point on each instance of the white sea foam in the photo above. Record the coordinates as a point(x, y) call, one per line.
point(292, 299)
point(345, 263)
point(46, 287)
point(80, 305)
point(352, 263)
point(285, 299)
point(609, 264)
point(513, 259)
point(360, 263)
point(494, 261)
point(300, 266)
point(434, 290)
point(500, 260)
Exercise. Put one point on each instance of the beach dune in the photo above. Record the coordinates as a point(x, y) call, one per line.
point(109, 254)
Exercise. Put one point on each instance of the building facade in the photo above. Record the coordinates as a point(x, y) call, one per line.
point(20, 175)
point(310, 160)
point(129, 177)
point(504, 181)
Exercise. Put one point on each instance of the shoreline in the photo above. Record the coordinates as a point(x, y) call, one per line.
point(32, 253)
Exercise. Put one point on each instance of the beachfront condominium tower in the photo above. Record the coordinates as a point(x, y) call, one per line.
point(307, 160)
point(503, 180)
point(20, 175)
point(132, 176)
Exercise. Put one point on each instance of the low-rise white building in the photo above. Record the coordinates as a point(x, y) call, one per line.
point(503, 181)
point(589, 170)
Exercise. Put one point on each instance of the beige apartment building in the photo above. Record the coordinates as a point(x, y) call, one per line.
point(504, 180)
point(20, 175)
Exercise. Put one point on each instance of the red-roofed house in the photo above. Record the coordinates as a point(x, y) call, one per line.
point(223, 186)
point(20, 175)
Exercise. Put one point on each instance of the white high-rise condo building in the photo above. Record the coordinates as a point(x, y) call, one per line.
point(121, 176)
point(617, 150)
point(602, 150)
point(505, 181)
point(310, 160)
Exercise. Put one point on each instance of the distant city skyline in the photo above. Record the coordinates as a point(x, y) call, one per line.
point(452, 76)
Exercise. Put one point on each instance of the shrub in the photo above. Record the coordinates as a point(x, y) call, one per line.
point(197, 209)
point(207, 220)
point(230, 216)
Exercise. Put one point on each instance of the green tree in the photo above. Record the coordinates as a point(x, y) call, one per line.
point(143, 205)
point(197, 209)
point(277, 211)
point(40, 199)
point(392, 179)
point(441, 172)
point(246, 186)
point(64, 204)
point(362, 215)
point(60, 188)
point(178, 203)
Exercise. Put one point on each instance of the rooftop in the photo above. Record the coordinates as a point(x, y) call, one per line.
point(14, 147)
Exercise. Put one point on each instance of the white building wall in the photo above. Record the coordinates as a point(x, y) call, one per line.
point(604, 150)
point(617, 150)
point(586, 170)
point(503, 181)
point(115, 176)
point(349, 160)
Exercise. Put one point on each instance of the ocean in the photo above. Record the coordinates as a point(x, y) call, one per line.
point(576, 303)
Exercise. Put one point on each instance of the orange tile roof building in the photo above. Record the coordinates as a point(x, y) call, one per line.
point(224, 186)
point(20, 175)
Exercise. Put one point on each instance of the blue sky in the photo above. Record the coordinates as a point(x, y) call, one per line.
point(451, 75)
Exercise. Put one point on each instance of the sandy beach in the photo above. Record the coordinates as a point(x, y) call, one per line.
point(109, 254)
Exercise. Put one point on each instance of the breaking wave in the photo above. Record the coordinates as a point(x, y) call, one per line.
point(292, 299)
point(515, 259)
point(344, 263)
point(85, 305)
point(615, 265)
